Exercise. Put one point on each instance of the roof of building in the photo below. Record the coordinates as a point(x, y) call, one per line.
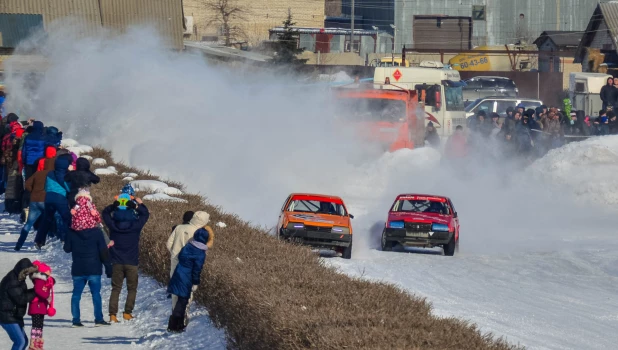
point(562, 39)
point(606, 11)
point(217, 50)
point(334, 31)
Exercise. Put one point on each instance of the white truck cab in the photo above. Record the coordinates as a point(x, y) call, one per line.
point(444, 104)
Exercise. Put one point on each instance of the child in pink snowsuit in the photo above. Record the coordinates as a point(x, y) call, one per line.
point(42, 304)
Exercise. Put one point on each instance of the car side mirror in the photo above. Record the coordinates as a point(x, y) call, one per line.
point(351, 216)
point(455, 214)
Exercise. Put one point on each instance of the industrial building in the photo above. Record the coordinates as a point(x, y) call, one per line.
point(19, 17)
point(444, 23)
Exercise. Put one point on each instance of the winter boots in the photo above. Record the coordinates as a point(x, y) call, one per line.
point(176, 325)
point(36, 344)
point(113, 319)
point(127, 317)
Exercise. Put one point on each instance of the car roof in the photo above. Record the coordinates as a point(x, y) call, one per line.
point(317, 195)
point(421, 195)
point(505, 98)
point(488, 77)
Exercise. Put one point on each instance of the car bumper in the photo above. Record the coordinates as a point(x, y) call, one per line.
point(317, 239)
point(419, 239)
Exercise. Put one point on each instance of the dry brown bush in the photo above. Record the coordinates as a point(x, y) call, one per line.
point(272, 295)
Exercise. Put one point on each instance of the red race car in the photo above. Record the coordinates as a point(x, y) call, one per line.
point(419, 220)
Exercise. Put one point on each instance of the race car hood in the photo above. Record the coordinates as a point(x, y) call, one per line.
point(318, 219)
point(420, 217)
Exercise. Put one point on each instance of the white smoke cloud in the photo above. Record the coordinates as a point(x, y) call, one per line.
point(247, 138)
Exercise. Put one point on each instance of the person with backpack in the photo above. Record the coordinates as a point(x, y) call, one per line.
point(125, 220)
point(186, 276)
point(14, 298)
point(33, 148)
point(43, 303)
point(56, 191)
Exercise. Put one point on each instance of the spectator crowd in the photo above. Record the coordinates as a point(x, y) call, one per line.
point(523, 134)
point(49, 186)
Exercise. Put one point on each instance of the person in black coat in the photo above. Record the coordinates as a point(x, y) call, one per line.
point(186, 276)
point(125, 232)
point(607, 93)
point(80, 178)
point(89, 252)
point(14, 299)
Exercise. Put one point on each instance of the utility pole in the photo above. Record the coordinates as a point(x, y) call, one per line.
point(352, 28)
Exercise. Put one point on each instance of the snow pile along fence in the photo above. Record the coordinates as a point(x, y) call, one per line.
point(268, 294)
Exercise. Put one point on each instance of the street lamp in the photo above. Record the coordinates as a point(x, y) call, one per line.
point(394, 36)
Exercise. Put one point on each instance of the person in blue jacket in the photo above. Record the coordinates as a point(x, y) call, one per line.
point(186, 277)
point(56, 189)
point(33, 148)
point(53, 136)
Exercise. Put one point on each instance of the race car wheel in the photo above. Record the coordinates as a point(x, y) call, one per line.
point(386, 245)
point(449, 248)
point(347, 252)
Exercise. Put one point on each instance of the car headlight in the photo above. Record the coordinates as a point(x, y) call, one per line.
point(296, 226)
point(439, 227)
point(396, 224)
point(341, 229)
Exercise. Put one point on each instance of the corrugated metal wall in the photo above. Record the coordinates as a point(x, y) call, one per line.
point(502, 16)
point(166, 15)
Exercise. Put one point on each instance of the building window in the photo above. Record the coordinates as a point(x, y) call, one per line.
point(478, 12)
point(347, 47)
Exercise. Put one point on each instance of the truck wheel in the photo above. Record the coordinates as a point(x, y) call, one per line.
point(386, 245)
point(347, 252)
point(449, 249)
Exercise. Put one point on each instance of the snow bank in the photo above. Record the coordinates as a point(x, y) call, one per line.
point(87, 157)
point(105, 171)
point(85, 148)
point(76, 150)
point(129, 179)
point(588, 169)
point(150, 186)
point(69, 143)
point(163, 197)
point(221, 224)
point(129, 174)
point(99, 162)
point(169, 191)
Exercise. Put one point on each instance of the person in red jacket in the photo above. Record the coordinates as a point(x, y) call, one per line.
point(50, 152)
point(42, 304)
point(457, 145)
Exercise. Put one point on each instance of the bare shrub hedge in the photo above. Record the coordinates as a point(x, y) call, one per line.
point(272, 295)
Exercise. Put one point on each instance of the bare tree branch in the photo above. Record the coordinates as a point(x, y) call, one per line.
point(227, 14)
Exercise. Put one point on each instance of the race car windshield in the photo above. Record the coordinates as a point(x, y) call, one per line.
point(372, 110)
point(317, 207)
point(421, 206)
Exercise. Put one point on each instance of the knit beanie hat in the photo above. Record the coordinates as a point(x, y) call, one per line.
point(43, 268)
point(128, 189)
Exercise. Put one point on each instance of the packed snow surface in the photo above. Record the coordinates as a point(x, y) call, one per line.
point(150, 186)
point(152, 309)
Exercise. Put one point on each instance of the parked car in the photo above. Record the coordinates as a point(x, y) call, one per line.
point(419, 220)
point(316, 220)
point(484, 86)
point(499, 104)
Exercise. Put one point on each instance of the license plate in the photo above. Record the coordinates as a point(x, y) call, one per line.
point(417, 234)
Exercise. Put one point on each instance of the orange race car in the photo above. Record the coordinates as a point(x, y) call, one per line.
point(317, 220)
